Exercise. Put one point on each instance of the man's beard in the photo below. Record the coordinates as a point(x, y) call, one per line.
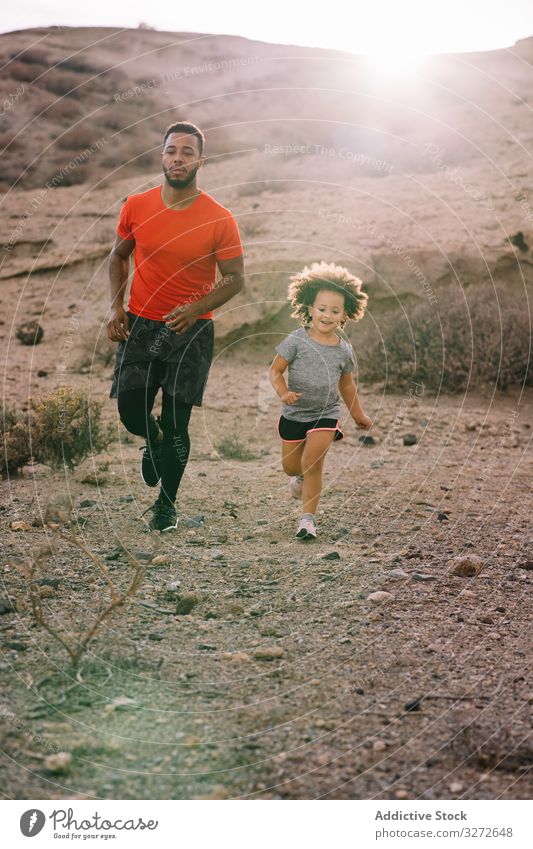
point(179, 182)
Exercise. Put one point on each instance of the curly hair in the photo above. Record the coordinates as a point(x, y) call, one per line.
point(320, 276)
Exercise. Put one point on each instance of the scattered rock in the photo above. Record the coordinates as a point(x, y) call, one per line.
point(526, 564)
point(236, 657)
point(443, 517)
point(380, 597)
point(466, 566)
point(397, 574)
point(58, 764)
point(401, 793)
point(340, 533)
point(410, 439)
point(173, 589)
point(414, 704)
point(88, 502)
point(486, 620)
point(272, 653)
point(186, 603)
point(30, 333)
point(422, 576)
point(125, 499)
point(195, 522)
point(332, 555)
point(160, 560)
point(367, 440)
point(47, 592)
point(379, 746)
point(42, 373)
point(121, 703)
point(456, 787)
point(20, 526)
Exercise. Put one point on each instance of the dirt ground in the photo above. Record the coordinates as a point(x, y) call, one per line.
point(284, 680)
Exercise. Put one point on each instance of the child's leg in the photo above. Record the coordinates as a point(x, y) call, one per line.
point(291, 457)
point(316, 447)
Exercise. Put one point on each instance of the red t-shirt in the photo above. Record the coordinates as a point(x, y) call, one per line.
point(176, 250)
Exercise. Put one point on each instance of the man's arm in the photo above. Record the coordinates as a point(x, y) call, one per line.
point(231, 282)
point(119, 269)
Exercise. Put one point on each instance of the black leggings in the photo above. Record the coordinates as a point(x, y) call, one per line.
point(135, 410)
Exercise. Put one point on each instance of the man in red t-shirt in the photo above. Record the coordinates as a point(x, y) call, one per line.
point(178, 235)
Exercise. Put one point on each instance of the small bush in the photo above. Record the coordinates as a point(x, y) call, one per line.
point(231, 449)
point(480, 340)
point(15, 442)
point(34, 56)
point(20, 71)
point(62, 83)
point(67, 428)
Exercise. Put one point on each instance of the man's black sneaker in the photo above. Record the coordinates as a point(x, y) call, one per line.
point(151, 464)
point(164, 516)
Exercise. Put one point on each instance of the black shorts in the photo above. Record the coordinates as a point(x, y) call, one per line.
point(154, 356)
point(291, 431)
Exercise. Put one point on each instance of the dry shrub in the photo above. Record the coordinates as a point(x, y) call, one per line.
point(35, 56)
point(67, 428)
point(75, 628)
point(62, 83)
point(15, 436)
point(77, 139)
point(20, 71)
point(480, 340)
point(63, 110)
point(78, 64)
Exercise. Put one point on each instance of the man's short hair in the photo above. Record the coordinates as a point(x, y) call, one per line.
point(187, 128)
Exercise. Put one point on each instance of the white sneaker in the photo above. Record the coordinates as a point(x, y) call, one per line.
point(295, 486)
point(306, 528)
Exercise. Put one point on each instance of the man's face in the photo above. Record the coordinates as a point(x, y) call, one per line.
point(181, 159)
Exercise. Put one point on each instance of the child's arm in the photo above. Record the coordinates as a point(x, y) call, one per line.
point(278, 381)
point(348, 390)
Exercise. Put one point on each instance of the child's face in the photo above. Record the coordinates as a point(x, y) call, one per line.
point(327, 311)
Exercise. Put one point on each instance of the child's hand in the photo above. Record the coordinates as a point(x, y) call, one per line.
point(363, 422)
point(290, 397)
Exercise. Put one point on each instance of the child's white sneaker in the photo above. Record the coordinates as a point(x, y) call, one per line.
point(295, 486)
point(307, 527)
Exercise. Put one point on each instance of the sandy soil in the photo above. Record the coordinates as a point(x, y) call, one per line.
point(183, 706)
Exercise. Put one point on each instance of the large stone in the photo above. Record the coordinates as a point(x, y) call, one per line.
point(380, 597)
point(186, 603)
point(58, 764)
point(30, 333)
point(466, 566)
point(268, 653)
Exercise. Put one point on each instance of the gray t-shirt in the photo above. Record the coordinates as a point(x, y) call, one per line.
point(314, 370)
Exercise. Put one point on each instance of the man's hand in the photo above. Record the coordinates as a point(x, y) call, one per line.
point(118, 328)
point(181, 318)
point(290, 397)
point(363, 421)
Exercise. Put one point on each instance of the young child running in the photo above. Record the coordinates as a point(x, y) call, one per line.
point(321, 365)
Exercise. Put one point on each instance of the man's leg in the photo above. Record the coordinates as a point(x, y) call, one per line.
point(135, 408)
point(135, 411)
point(175, 415)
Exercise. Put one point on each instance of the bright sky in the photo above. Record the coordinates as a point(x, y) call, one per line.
point(357, 26)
